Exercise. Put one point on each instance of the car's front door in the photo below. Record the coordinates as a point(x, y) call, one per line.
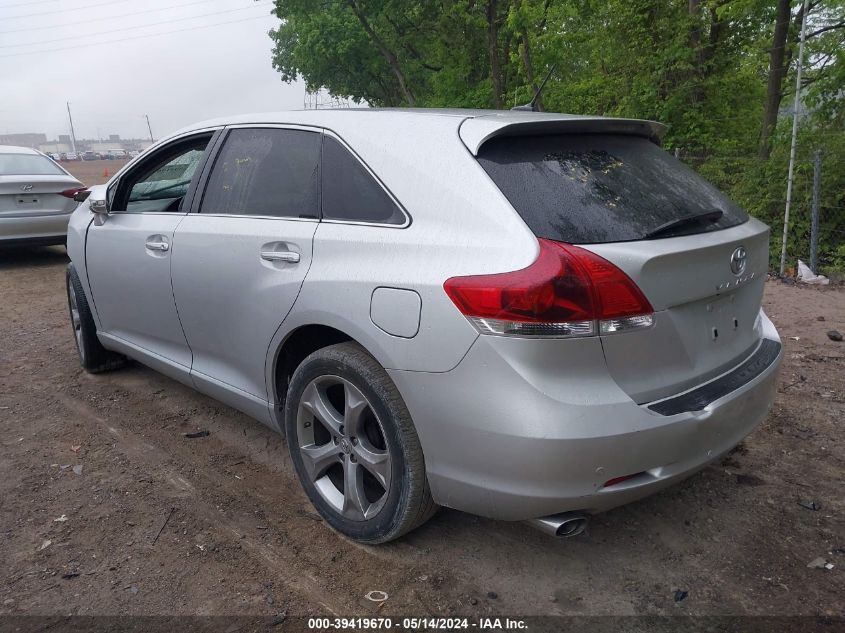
point(242, 257)
point(129, 253)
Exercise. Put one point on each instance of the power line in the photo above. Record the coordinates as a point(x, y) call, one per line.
point(136, 37)
point(100, 19)
point(87, 6)
point(139, 26)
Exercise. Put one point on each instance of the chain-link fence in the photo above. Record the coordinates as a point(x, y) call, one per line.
point(816, 228)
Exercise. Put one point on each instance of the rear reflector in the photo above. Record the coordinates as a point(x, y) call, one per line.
point(70, 193)
point(567, 291)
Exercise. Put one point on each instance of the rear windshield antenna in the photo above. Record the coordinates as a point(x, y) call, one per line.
point(532, 105)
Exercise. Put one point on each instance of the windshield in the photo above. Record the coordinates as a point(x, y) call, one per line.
point(28, 165)
point(594, 188)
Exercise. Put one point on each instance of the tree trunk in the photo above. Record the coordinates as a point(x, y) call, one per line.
point(778, 68)
point(525, 54)
point(698, 72)
point(493, 45)
point(389, 56)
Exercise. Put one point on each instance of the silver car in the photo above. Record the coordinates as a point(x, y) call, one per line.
point(36, 197)
point(524, 316)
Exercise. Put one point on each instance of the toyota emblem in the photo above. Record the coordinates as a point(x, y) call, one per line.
point(739, 259)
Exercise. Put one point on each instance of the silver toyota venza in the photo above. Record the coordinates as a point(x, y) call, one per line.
point(36, 197)
point(524, 316)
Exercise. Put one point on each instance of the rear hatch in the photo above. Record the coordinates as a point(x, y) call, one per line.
point(697, 257)
point(31, 184)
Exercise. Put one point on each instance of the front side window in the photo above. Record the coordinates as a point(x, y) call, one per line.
point(161, 182)
point(171, 180)
point(265, 172)
point(350, 193)
point(28, 165)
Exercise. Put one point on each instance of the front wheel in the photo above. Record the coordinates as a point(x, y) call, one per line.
point(93, 357)
point(354, 447)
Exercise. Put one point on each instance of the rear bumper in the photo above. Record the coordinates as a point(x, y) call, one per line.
point(519, 431)
point(42, 229)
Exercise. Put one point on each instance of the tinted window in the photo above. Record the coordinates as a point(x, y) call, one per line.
point(267, 172)
point(588, 189)
point(28, 165)
point(350, 192)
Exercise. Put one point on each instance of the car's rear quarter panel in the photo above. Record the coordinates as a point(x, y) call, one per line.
point(460, 224)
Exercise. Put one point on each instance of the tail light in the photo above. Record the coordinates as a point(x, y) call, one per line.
point(70, 193)
point(567, 291)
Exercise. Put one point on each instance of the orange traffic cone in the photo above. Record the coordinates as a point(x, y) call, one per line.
point(105, 173)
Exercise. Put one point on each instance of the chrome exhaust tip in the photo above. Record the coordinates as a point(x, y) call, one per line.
point(563, 525)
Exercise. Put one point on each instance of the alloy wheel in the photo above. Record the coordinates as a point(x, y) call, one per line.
point(343, 447)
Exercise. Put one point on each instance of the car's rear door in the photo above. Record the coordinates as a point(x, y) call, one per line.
point(243, 254)
point(128, 255)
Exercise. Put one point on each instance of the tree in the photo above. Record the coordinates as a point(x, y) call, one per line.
point(717, 72)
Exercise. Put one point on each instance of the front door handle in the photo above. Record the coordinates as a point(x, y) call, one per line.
point(280, 256)
point(157, 246)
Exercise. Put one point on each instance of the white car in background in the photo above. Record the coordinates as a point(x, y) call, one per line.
point(36, 197)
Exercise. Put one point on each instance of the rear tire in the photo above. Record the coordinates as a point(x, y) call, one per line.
point(93, 357)
point(354, 446)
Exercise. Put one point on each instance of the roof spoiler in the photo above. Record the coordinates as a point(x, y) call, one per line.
point(476, 131)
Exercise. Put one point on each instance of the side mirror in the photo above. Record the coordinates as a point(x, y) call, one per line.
point(82, 195)
point(98, 206)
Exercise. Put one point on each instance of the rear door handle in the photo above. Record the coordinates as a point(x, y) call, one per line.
point(280, 256)
point(157, 246)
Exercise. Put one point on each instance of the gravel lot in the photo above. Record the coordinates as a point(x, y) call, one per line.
point(156, 523)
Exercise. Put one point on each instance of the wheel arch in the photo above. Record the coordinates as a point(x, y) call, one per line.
point(289, 354)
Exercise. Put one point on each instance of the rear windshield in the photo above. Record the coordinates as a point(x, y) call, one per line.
point(28, 165)
point(593, 188)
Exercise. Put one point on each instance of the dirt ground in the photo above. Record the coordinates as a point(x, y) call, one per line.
point(93, 172)
point(105, 508)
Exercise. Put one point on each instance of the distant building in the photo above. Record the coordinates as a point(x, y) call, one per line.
point(55, 148)
point(30, 139)
point(64, 144)
point(104, 146)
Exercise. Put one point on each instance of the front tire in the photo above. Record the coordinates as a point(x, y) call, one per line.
point(93, 357)
point(354, 446)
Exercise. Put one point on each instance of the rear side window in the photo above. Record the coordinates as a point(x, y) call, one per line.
point(28, 165)
point(349, 191)
point(265, 172)
point(593, 188)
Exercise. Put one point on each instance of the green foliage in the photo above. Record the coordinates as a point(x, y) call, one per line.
point(760, 186)
point(699, 66)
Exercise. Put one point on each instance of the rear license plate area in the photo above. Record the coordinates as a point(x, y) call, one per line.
point(721, 319)
point(28, 202)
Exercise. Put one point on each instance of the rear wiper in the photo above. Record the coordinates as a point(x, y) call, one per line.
point(707, 217)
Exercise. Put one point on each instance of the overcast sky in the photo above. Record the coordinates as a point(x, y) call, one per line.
point(116, 60)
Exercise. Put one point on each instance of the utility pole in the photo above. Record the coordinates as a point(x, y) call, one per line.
point(147, 116)
point(795, 116)
point(72, 133)
point(814, 227)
